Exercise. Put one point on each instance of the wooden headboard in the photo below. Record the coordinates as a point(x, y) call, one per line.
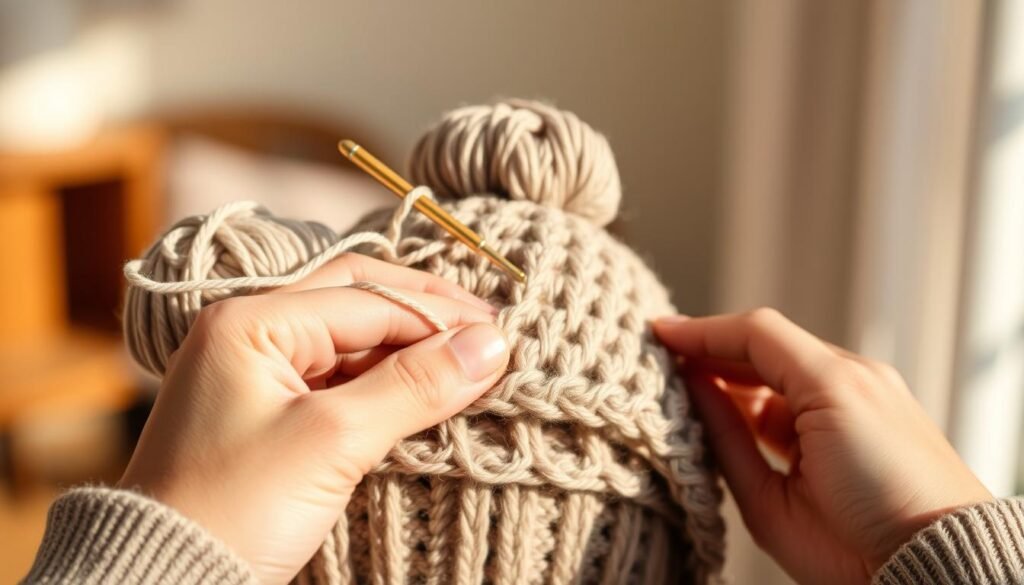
point(266, 131)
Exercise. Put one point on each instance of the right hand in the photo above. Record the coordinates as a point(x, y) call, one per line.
point(868, 467)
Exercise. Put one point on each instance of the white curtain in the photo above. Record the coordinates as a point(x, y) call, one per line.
point(988, 399)
point(848, 166)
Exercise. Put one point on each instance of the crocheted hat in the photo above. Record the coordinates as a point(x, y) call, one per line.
point(583, 464)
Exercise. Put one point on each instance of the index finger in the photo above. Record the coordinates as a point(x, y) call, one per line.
point(351, 267)
point(789, 359)
point(310, 328)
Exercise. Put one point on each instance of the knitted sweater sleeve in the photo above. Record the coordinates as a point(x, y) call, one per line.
point(981, 544)
point(100, 535)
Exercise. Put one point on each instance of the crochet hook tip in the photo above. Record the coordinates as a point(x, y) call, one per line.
point(348, 147)
point(502, 262)
point(400, 187)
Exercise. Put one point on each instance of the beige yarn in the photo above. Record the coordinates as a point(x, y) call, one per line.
point(524, 150)
point(583, 464)
point(238, 247)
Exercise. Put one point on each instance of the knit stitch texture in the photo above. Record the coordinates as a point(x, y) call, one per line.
point(584, 463)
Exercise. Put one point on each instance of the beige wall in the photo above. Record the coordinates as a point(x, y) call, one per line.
point(648, 74)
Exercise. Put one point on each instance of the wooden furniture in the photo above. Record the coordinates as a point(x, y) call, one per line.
point(69, 221)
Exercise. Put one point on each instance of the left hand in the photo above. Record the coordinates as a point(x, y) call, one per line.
point(275, 406)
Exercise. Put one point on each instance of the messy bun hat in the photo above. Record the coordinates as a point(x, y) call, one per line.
point(584, 463)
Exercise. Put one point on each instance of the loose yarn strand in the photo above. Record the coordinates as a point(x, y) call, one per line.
point(403, 300)
point(388, 243)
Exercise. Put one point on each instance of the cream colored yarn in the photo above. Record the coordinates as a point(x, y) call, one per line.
point(493, 149)
point(238, 247)
point(584, 463)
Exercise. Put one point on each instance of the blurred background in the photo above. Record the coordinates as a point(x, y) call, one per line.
point(859, 165)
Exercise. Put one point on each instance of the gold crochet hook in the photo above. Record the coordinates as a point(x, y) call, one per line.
point(427, 207)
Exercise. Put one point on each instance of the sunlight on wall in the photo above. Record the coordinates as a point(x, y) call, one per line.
point(989, 414)
point(59, 98)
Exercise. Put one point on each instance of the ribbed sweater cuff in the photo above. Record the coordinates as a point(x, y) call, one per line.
point(99, 535)
point(981, 544)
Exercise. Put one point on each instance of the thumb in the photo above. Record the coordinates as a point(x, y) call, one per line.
point(428, 382)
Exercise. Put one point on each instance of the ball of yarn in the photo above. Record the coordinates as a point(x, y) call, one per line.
point(522, 150)
point(240, 241)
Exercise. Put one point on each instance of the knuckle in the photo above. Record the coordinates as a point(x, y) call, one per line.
point(353, 265)
point(223, 310)
point(764, 317)
point(347, 259)
point(890, 374)
point(852, 379)
point(843, 375)
point(424, 381)
point(238, 320)
point(216, 317)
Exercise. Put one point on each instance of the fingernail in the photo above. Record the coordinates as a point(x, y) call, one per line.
point(480, 349)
